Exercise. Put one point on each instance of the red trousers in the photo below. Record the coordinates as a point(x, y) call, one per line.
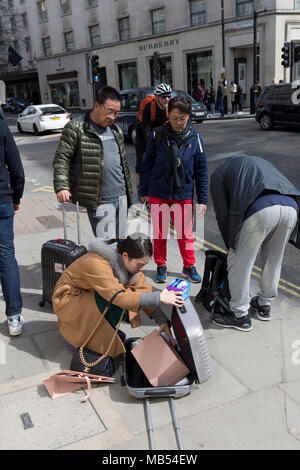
point(181, 213)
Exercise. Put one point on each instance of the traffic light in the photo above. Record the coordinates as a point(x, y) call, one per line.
point(286, 56)
point(296, 53)
point(95, 68)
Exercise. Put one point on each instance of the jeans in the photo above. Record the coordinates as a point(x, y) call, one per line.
point(9, 270)
point(220, 107)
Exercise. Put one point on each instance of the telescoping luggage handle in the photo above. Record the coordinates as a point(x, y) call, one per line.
point(78, 222)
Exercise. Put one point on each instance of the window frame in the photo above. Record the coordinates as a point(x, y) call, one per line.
point(93, 44)
point(198, 13)
point(67, 43)
point(66, 7)
point(122, 30)
point(239, 4)
point(43, 14)
point(153, 24)
point(47, 48)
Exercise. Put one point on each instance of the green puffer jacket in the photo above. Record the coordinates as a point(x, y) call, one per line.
point(78, 163)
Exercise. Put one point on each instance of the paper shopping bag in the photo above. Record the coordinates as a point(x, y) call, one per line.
point(68, 381)
point(159, 361)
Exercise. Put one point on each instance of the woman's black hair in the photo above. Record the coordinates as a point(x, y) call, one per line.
point(182, 103)
point(136, 245)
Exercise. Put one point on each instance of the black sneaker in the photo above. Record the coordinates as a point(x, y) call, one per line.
point(231, 321)
point(262, 311)
point(161, 274)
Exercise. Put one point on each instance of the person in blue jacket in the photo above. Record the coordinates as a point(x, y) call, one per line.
point(11, 190)
point(173, 165)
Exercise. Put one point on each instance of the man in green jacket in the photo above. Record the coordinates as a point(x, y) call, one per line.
point(90, 166)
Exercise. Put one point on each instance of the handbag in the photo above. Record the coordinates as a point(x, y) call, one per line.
point(85, 360)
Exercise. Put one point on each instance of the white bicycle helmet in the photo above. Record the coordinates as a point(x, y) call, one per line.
point(162, 89)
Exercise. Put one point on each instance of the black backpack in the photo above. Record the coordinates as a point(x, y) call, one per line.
point(214, 293)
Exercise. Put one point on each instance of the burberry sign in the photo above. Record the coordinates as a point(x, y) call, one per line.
point(159, 45)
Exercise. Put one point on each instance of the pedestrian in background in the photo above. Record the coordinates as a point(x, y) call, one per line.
point(256, 209)
point(199, 94)
point(233, 92)
point(257, 92)
point(220, 98)
point(212, 100)
point(168, 175)
point(239, 97)
point(90, 166)
point(2, 115)
point(154, 115)
point(11, 190)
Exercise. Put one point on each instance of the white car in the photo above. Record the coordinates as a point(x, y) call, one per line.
point(42, 117)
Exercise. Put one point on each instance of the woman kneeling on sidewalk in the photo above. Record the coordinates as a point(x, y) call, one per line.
point(86, 286)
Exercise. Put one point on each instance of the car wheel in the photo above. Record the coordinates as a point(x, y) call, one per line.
point(35, 130)
point(19, 128)
point(132, 135)
point(265, 122)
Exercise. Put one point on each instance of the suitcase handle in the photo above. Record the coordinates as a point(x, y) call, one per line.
point(78, 223)
point(161, 393)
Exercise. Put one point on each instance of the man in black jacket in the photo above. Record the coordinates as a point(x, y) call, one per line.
point(11, 190)
point(257, 208)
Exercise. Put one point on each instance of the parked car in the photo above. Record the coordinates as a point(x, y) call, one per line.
point(278, 105)
point(131, 100)
point(42, 117)
point(15, 105)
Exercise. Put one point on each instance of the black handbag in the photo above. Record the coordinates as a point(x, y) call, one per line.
point(91, 362)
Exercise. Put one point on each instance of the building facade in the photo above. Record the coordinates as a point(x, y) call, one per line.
point(21, 79)
point(176, 41)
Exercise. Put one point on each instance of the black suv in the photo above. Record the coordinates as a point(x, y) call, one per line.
point(278, 105)
point(130, 105)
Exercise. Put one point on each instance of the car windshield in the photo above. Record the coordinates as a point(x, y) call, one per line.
point(52, 110)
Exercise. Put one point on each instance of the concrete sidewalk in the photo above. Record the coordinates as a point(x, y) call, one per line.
point(252, 400)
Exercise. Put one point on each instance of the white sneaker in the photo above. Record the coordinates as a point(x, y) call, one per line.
point(15, 325)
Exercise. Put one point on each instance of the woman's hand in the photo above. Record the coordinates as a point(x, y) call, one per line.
point(166, 329)
point(170, 297)
point(202, 209)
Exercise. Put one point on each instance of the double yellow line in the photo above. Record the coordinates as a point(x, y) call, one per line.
point(284, 285)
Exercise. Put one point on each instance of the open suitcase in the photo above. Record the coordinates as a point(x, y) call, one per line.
point(192, 348)
point(56, 256)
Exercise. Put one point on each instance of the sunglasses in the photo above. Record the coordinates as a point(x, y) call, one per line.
point(165, 97)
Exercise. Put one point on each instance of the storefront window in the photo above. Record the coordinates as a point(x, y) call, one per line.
point(164, 70)
point(128, 76)
point(200, 71)
point(66, 94)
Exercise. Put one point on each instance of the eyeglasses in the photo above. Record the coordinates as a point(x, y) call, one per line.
point(165, 97)
point(180, 120)
point(111, 112)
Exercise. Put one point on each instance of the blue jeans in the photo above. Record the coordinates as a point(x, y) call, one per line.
point(9, 270)
point(220, 107)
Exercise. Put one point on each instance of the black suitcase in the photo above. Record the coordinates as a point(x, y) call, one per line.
point(56, 256)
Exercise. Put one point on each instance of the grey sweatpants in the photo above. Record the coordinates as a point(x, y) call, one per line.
point(269, 231)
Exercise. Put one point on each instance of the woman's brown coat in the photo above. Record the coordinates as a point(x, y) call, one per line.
point(103, 271)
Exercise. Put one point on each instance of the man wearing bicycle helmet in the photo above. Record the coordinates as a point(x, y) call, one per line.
point(154, 114)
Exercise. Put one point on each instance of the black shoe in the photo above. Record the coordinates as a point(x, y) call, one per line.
point(262, 311)
point(231, 321)
point(161, 274)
